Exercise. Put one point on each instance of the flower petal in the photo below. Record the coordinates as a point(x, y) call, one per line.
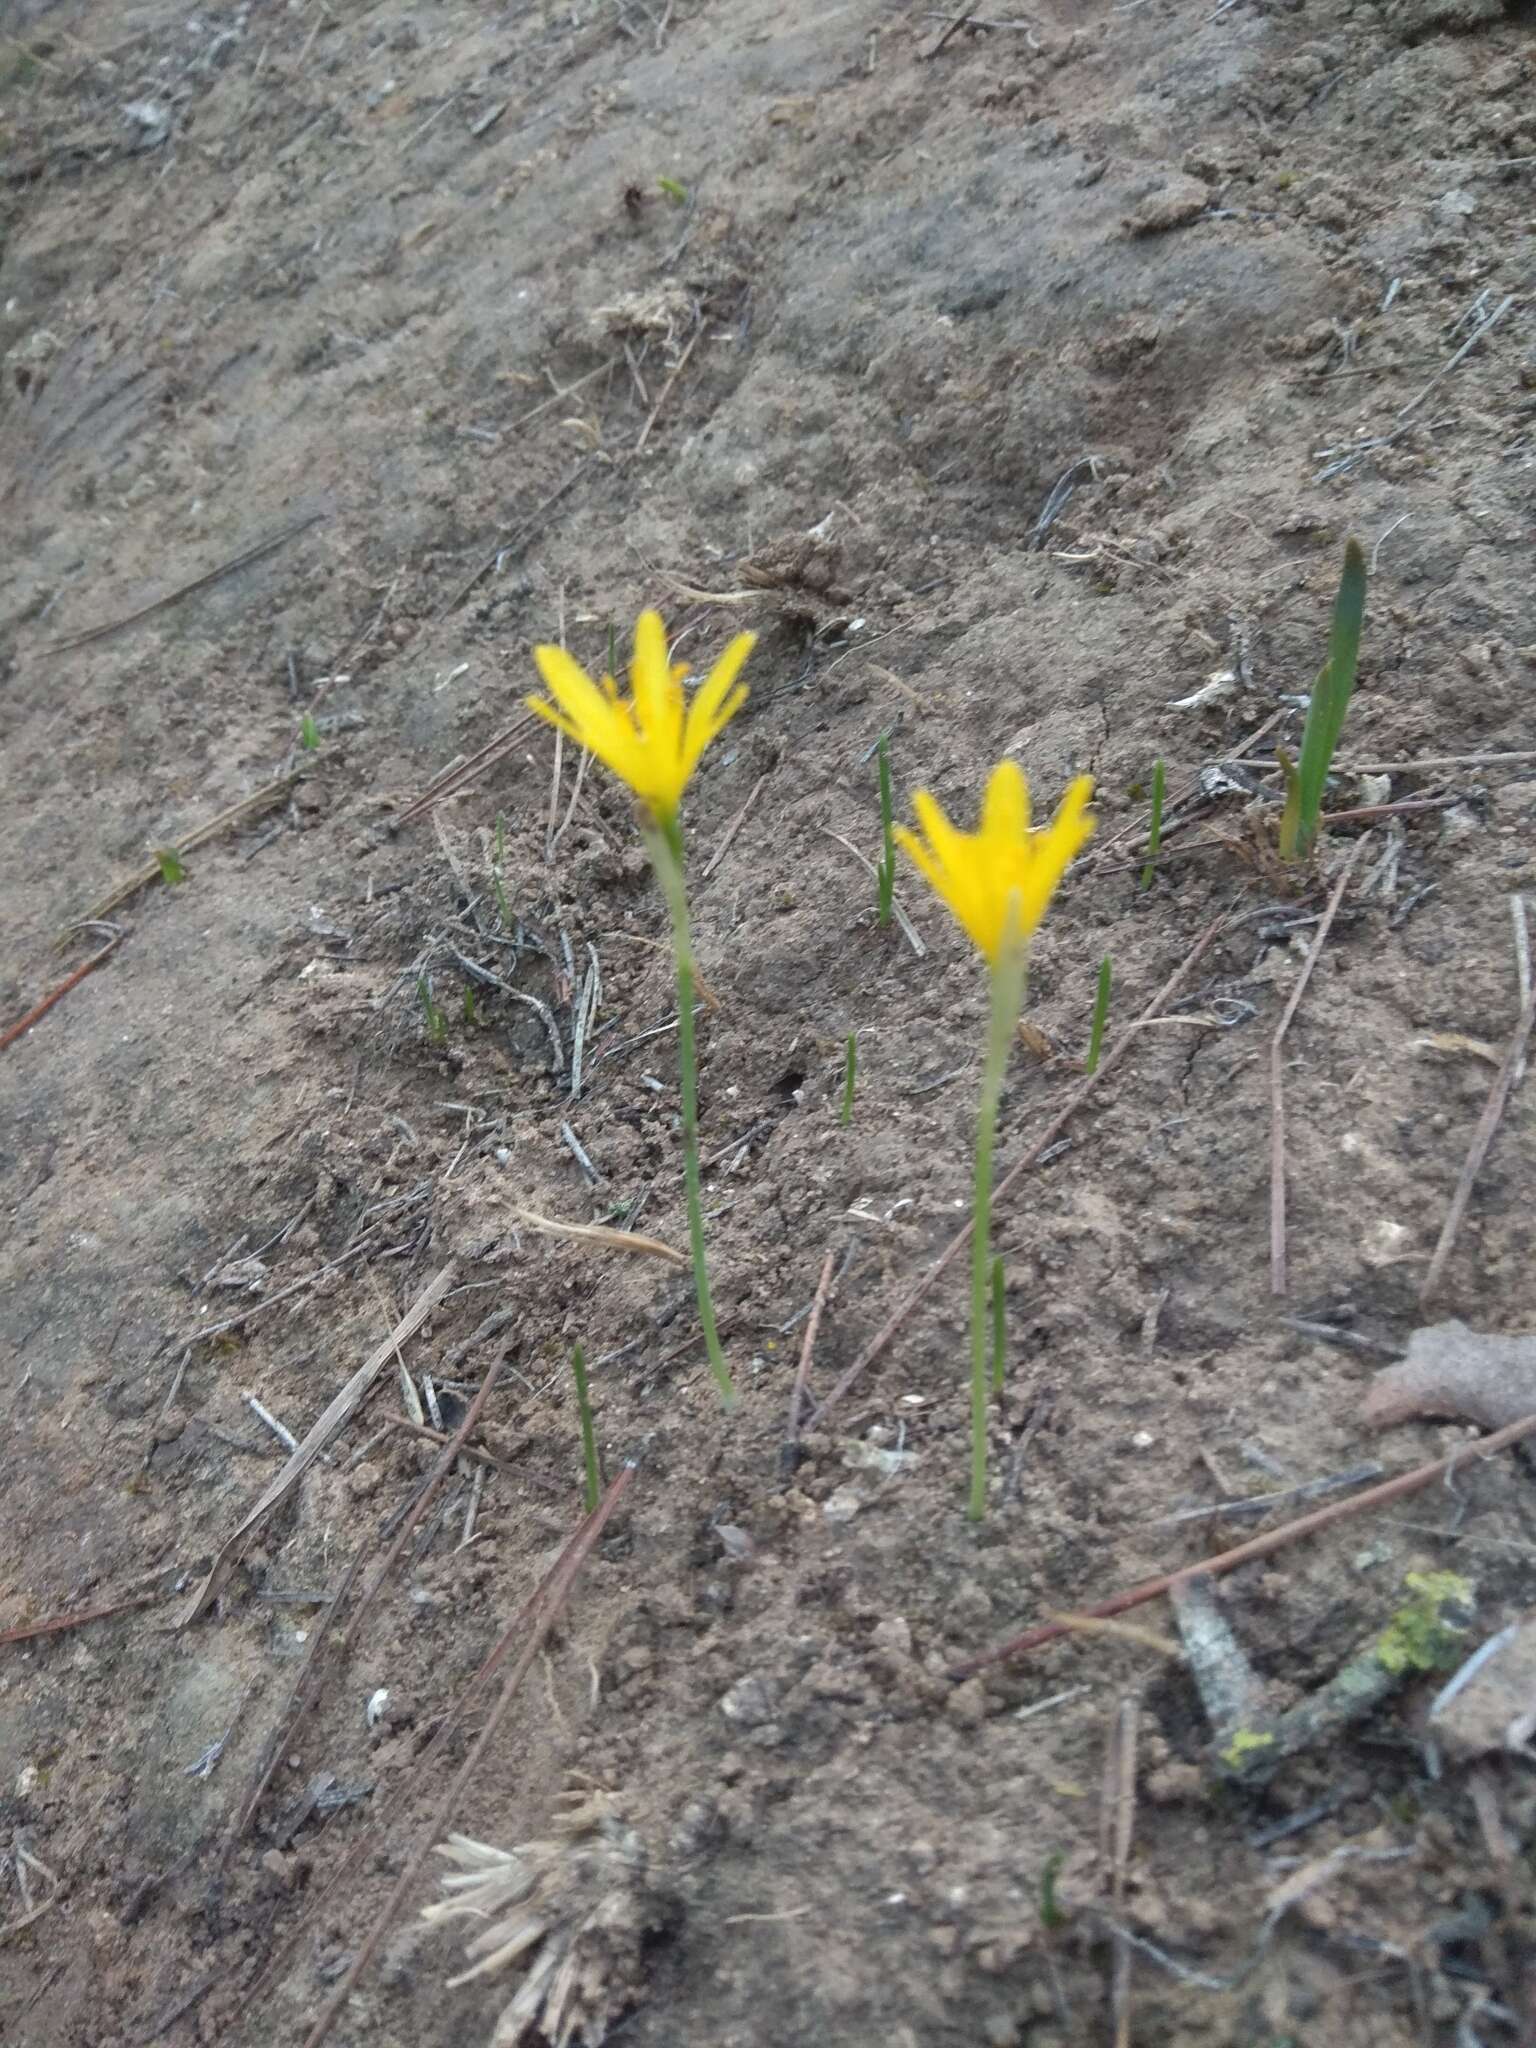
point(658, 694)
point(1005, 807)
point(716, 702)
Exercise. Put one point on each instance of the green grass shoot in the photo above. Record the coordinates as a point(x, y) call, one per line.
point(1100, 1017)
point(1051, 1914)
point(171, 867)
point(1304, 784)
point(588, 1435)
point(999, 1326)
point(886, 872)
point(309, 734)
point(437, 1023)
point(677, 193)
point(498, 869)
point(850, 1069)
point(1155, 826)
point(469, 1005)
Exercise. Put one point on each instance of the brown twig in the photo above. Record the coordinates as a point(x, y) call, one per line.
point(449, 781)
point(1257, 1546)
point(734, 827)
point(336, 1416)
point(1117, 1824)
point(954, 29)
point(441, 1436)
point(1053, 1130)
point(1477, 1151)
point(1277, 1272)
point(61, 1622)
point(234, 814)
point(666, 389)
point(160, 604)
point(24, 1024)
point(807, 1352)
point(424, 1499)
point(547, 1613)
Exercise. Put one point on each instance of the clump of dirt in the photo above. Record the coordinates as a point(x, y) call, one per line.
point(1018, 383)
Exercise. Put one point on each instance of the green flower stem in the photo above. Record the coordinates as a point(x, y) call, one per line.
point(664, 843)
point(1007, 1002)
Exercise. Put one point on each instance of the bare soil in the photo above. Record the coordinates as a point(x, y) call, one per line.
point(1016, 392)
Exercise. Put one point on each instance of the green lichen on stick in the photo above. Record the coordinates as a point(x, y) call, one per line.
point(1427, 1632)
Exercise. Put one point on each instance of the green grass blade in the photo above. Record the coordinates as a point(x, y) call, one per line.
point(1330, 697)
point(850, 1069)
point(1155, 826)
point(999, 1326)
point(1100, 1016)
point(887, 869)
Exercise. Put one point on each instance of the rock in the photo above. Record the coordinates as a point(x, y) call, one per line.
point(750, 1702)
point(1415, 18)
point(1175, 203)
point(1490, 1704)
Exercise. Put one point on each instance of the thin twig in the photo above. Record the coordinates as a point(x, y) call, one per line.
point(733, 828)
point(807, 1351)
point(234, 814)
point(1482, 1138)
point(1466, 349)
point(1256, 1546)
point(423, 1500)
point(61, 1622)
point(514, 543)
point(1277, 1272)
point(547, 1613)
point(24, 1024)
point(1041, 1145)
point(666, 389)
point(160, 604)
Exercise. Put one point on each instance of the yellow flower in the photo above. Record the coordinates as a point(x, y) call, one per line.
point(999, 881)
point(652, 739)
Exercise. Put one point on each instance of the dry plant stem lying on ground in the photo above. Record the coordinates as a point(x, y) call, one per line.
point(338, 1413)
point(24, 1024)
point(1046, 1139)
point(807, 1352)
point(1482, 1138)
point(1277, 1263)
point(548, 1612)
point(1259, 1546)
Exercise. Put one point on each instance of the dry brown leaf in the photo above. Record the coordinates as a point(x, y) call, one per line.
point(600, 1234)
point(1452, 1370)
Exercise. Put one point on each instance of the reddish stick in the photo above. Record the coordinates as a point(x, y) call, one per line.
point(1258, 1546)
point(60, 1622)
point(18, 1030)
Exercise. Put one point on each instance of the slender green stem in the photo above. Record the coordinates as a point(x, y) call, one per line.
point(1155, 826)
point(999, 1326)
point(1100, 1018)
point(588, 1435)
point(1007, 1001)
point(886, 873)
point(665, 846)
point(850, 1068)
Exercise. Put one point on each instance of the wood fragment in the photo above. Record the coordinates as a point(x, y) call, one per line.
point(1258, 1546)
point(1451, 1370)
point(1482, 1139)
point(28, 1630)
point(1042, 1144)
point(39, 1010)
point(1117, 1825)
point(1277, 1260)
point(336, 1416)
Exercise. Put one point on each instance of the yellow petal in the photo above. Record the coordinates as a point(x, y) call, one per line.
point(1005, 807)
point(716, 702)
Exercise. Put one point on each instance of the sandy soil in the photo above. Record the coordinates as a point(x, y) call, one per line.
point(1020, 394)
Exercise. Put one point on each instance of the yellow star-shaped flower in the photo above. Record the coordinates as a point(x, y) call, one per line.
point(653, 739)
point(999, 881)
